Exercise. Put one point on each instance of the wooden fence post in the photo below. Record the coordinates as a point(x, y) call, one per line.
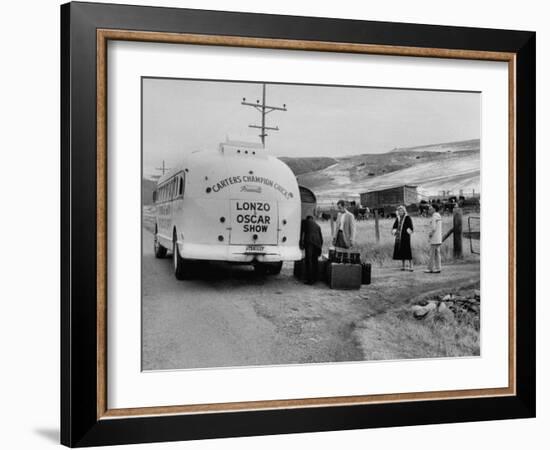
point(457, 232)
point(376, 226)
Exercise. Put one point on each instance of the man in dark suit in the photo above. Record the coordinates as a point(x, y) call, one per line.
point(311, 240)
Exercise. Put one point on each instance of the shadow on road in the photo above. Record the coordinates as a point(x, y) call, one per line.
point(212, 273)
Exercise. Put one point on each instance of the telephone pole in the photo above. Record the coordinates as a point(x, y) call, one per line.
point(264, 110)
point(164, 169)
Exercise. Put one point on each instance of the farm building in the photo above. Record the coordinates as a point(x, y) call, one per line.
point(393, 196)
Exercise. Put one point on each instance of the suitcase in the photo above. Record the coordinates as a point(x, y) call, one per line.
point(365, 273)
point(300, 269)
point(323, 264)
point(344, 276)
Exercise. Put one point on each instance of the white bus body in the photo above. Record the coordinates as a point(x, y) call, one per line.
point(236, 204)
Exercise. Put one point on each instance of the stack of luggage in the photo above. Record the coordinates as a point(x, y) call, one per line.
point(341, 270)
point(345, 270)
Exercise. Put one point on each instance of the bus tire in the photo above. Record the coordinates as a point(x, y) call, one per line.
point(160, 251)
point(274, 268)
point(180, 266)
point(269, 268)
point(260, 269)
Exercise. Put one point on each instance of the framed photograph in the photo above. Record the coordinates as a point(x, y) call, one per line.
point(277, 224)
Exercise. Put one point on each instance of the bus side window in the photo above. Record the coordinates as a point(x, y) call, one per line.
point(181, 186)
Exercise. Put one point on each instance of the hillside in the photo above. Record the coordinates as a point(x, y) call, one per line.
point(147, 188)
point(452, 174)
point(433, 168)
point(460, 146)
point(454, 169)
point(309, 164)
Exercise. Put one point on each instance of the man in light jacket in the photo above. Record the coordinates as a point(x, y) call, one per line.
point(435, 238)
point(345, 227)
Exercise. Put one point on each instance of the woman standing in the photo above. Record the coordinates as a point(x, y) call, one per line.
point(402, 230)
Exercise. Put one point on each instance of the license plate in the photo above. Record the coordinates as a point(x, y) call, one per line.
point(254, 249)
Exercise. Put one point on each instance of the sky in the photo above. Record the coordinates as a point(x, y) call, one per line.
point(181, 116)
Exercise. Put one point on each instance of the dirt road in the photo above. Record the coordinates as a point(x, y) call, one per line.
point(230, 316)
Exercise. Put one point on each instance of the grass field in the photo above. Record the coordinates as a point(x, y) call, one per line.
point(395, 334)
point(380, 254)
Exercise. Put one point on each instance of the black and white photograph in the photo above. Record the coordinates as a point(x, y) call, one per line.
point(304, 224)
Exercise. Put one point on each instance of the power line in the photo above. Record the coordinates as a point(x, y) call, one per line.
point(264, 110)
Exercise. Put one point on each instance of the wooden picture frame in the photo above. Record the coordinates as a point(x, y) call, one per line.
point(85, 417)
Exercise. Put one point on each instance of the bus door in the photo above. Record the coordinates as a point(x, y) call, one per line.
point(254, 222)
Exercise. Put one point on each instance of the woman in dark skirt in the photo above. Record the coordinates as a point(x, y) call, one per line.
point(402, 230)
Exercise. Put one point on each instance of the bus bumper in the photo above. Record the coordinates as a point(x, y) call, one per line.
point(240, 253)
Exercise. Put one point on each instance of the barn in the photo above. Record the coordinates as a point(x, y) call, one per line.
point(391, 196)
point(309, 202)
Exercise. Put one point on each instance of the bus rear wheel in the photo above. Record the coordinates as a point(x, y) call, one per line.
point(180, 265)
point(160, 251)
point(269, 268)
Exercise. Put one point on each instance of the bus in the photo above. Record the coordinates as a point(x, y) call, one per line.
point(236, 204)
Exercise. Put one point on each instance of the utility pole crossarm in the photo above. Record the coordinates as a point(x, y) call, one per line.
point(264, 128)
point(256, 105)
point(260, 106)
point(274, 108)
